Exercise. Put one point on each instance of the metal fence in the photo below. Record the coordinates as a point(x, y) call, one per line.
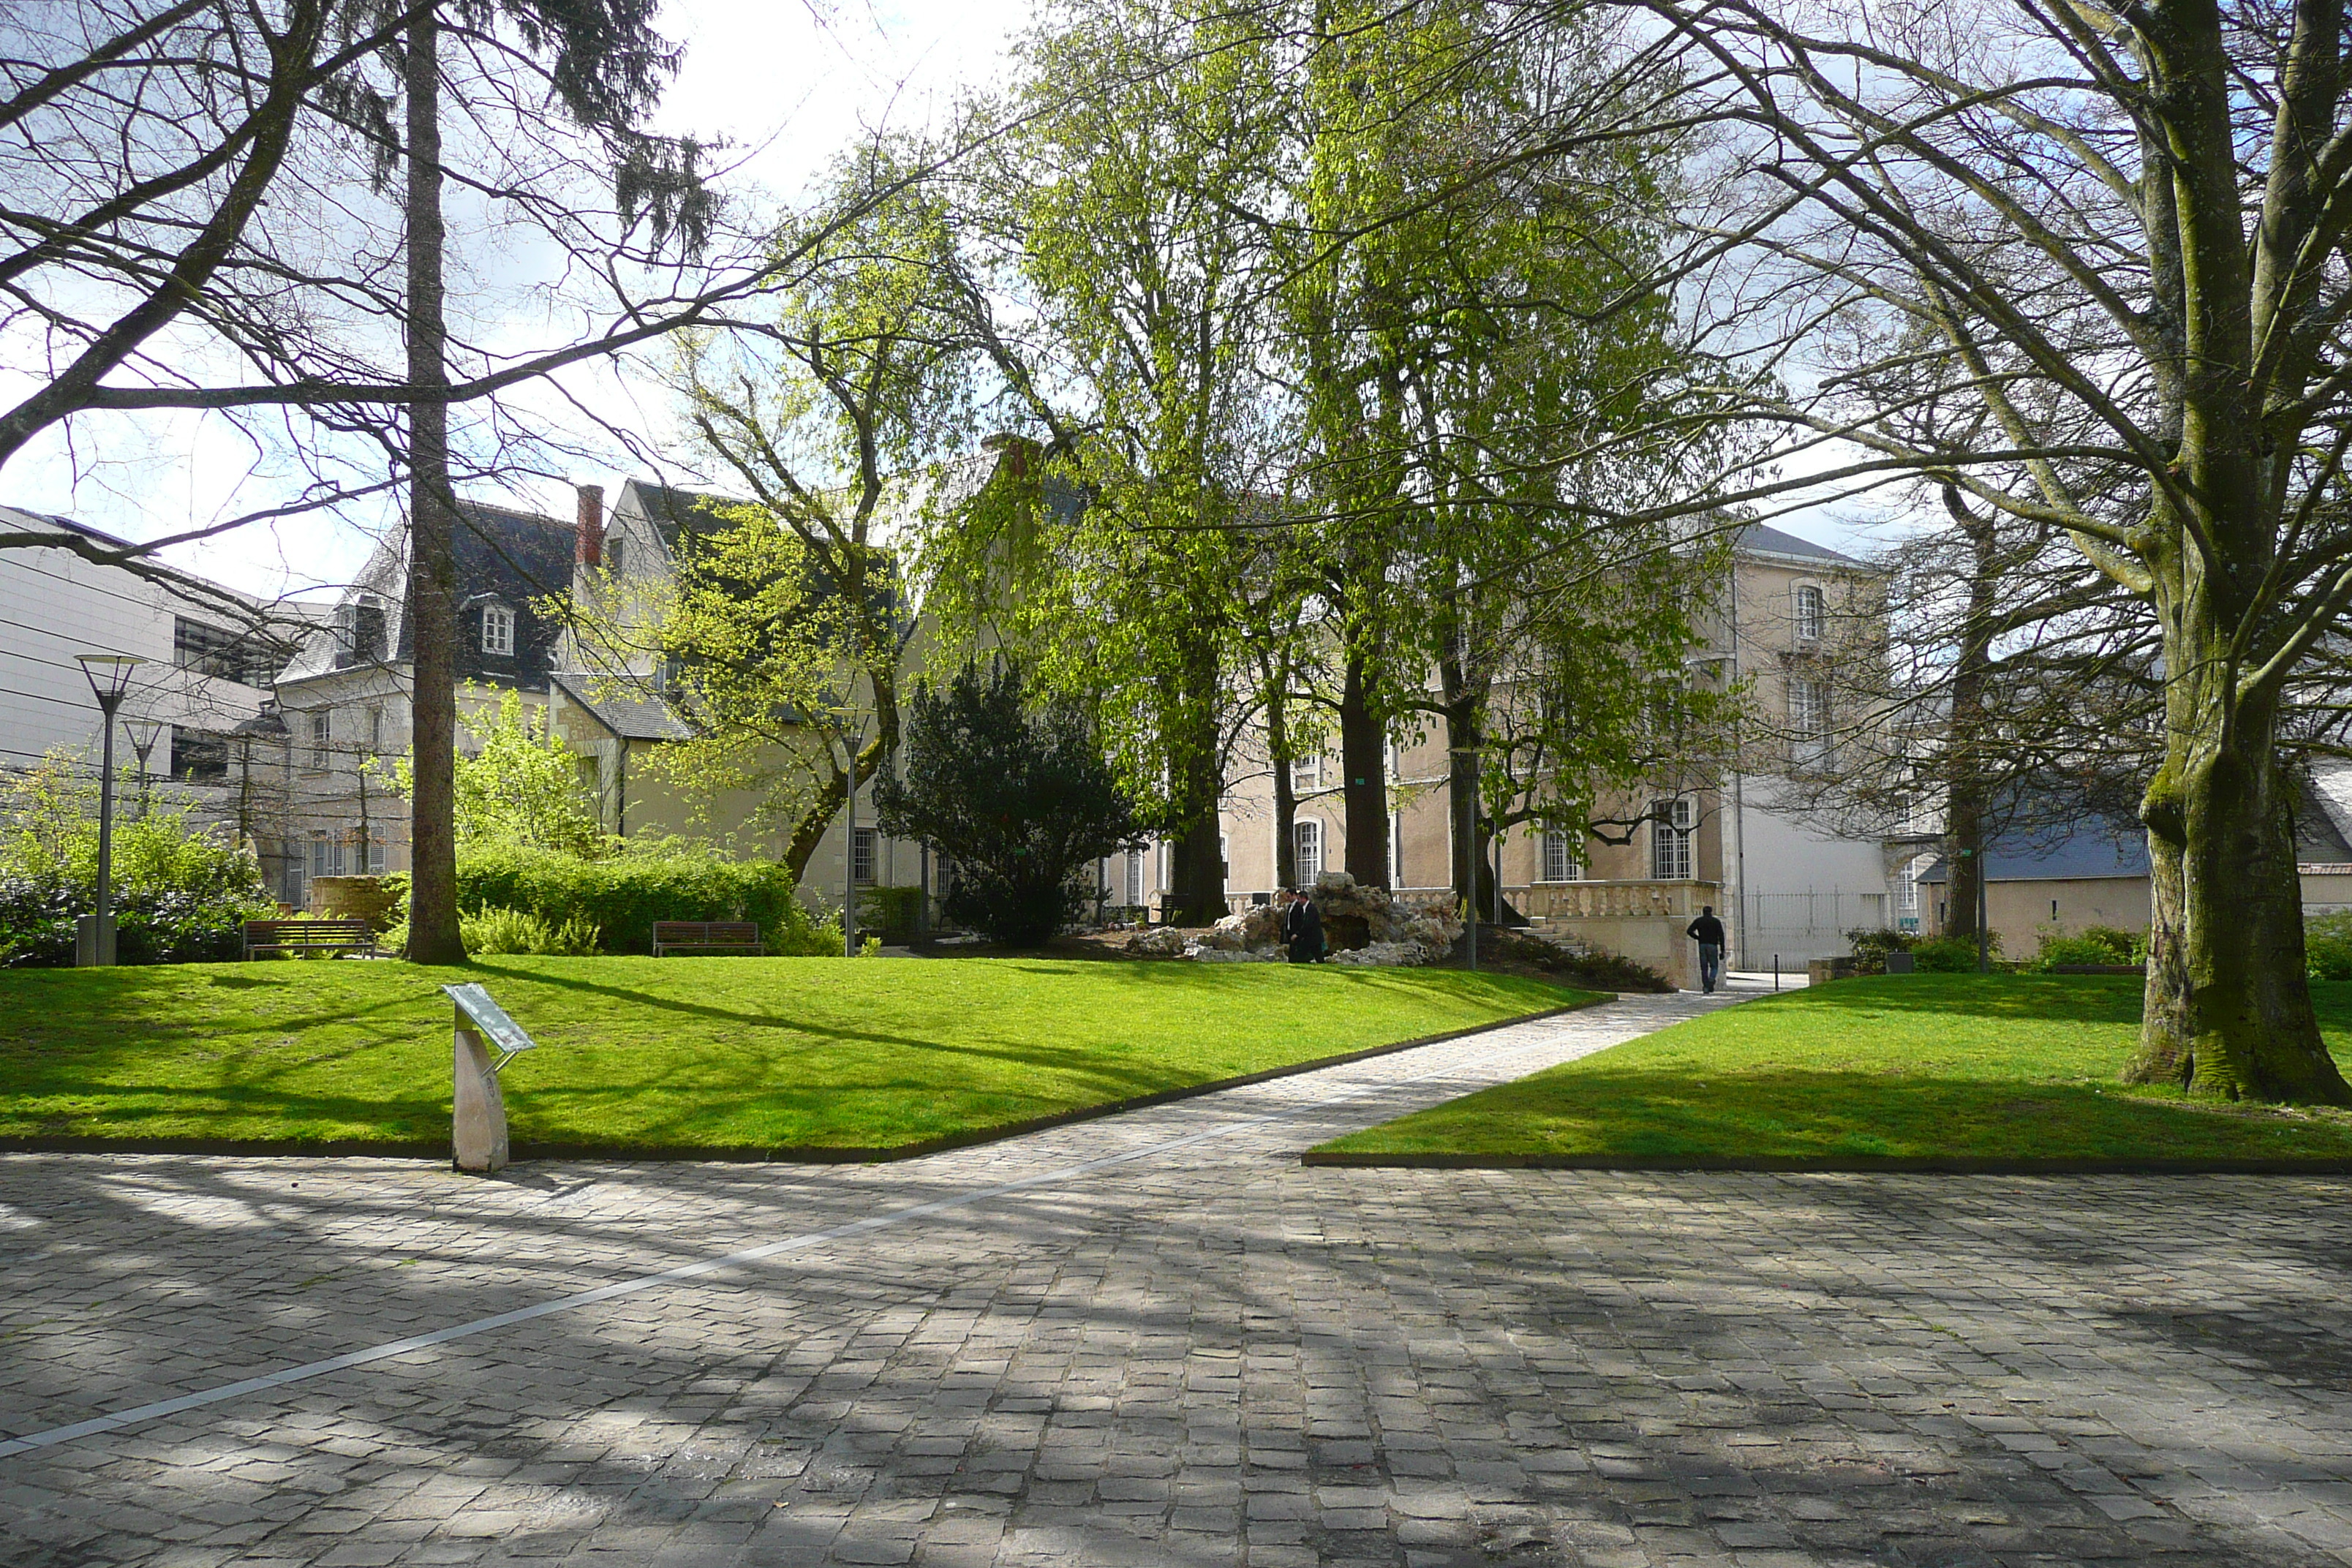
point(1799, 926)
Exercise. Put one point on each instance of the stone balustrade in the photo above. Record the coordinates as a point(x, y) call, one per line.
point(1627, 899)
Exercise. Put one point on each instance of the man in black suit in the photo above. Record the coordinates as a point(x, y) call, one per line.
point(1707, 932)
point(1302, 927)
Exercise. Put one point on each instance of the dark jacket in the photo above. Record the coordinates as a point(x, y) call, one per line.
point(1706, 930)
point(1302, 925)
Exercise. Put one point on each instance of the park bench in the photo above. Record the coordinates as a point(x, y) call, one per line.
point(299, 936)
point(706, 936)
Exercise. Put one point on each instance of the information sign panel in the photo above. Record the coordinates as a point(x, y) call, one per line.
point(489, 1018)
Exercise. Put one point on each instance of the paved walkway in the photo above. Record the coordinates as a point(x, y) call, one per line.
point(1158, 1340)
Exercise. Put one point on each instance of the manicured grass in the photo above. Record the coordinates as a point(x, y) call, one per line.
point(703, 1052)
point(1921, 1066)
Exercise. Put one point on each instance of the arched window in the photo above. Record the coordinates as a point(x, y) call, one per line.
point(1309, 839)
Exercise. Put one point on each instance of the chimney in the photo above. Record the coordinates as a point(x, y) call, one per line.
point(590, 526)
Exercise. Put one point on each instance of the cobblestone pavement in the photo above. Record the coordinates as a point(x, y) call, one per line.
point(1158, 1340)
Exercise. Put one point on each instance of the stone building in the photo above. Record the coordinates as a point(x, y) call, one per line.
point(1734, 837)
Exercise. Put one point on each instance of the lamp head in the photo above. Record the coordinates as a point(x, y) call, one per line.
point(108, 673)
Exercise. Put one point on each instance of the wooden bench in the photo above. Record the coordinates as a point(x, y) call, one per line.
point(336, 936)
point(706, 936)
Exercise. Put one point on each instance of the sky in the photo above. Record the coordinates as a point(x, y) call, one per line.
point(785, 84)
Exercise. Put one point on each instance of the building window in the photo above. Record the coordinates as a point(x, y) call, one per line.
point(1135, 878)
point(198, 758)
point(1558, 864)
point(1396, 849)
point(375, 732)
point(1306, 774)
point(1670, 840)
point(498, 629)
point(861, 856)
point(613, 555)
point(327, 859)
point(1906, 885)
point(1309, 837)
point(1809, 722)
point(1810, 614)
point(322, 735)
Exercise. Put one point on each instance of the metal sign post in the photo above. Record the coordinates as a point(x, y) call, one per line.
point(478, 1133)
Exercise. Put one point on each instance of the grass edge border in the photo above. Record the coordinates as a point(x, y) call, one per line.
point(1854, 1165)
point(743, 1153)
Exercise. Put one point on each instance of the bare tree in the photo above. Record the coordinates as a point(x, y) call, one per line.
point(2118, 231)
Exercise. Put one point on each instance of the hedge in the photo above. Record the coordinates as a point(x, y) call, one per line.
point(623, 897)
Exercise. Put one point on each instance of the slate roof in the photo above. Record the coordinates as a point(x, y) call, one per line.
point(2098, 849)
point(503, 555)
point(1759, 536)
point(632, 715)
point(675, 512)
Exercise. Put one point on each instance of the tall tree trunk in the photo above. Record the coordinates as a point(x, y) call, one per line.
point(1286, 794)
point(1967, 768)
point(2230, 1017)
point(1199, 873)
point(2249, 1003)
point(433, 936)
point(2252, 1031)
point(1363, 773)
point(2167, 1031)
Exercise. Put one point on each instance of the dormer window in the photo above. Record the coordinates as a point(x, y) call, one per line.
point(498, 629)
point(1810, 614)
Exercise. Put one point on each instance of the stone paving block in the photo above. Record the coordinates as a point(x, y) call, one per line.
point(1203, 1353)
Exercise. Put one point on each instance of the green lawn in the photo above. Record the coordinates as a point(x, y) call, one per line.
point(1921, 1066)
point(699, 1052)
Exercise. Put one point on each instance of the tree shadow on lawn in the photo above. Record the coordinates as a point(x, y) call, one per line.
point(2071, 998)
point(1796, 1115)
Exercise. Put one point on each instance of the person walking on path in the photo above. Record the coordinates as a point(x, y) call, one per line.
point(1302, 927)
point(1707, 932)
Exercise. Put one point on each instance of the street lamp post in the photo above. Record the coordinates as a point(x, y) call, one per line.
point(110, 678)
point(144, 734)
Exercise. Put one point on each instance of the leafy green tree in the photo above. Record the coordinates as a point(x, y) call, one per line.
point(603, 66)
point(1016, 793)
point(1124, 202)
point(1484, 369)
point(763, 666)
point(517, 784)
point(833, 408)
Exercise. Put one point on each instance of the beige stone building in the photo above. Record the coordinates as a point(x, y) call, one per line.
point(1732, 837)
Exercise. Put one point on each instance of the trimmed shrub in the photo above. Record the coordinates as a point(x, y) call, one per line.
point(1949, 954)
point(1871, 946)
point(2130, 947)
point(622, 898)
point(181, 891)
point(888, 912)
point(2328, 946)
point(2093, 944)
